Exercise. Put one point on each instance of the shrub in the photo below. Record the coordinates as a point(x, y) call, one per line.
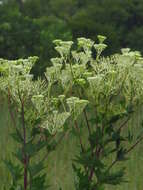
point(77, 92)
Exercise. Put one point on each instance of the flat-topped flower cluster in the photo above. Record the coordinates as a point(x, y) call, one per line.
point(76, 80)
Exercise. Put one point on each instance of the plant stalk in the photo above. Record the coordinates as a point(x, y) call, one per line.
point(24, 145)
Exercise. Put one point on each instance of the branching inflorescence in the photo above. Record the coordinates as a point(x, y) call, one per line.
point(98, 96)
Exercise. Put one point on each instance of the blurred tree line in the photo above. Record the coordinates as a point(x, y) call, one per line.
point(28, 27)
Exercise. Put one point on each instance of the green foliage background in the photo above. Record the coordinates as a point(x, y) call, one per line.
point(28, 27)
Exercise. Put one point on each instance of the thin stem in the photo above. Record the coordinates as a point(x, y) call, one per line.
point(24, 141)
point(134, 145)
point(10, 111)
point(119, 90)
point(59, 141)
point(124, 123)
point(128, 151)
point(112, 164)
point(80, 140)
point(88, 126)
point(91, 174)
point(25, 159)
point(71, 70)
point(89, 131)
point(97, 153)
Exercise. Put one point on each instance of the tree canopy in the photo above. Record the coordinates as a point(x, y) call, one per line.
point(29, 27)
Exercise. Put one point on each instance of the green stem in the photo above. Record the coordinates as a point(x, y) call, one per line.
point(10, 111)
point(25, 158)
point(80, 140)
point(129, 150)
point(24, 141)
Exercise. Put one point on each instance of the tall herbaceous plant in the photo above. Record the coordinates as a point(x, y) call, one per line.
point(97, 96)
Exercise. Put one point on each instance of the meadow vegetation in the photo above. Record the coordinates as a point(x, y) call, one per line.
point(80, 112)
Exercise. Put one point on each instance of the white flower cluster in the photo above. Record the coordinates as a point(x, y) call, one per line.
point(76, 80)
point(16, 77)
point(54, 121)
point(76, 106)
point(63, 47)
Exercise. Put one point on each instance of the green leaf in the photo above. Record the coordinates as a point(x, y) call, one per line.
point(81, 181)
point(17, 136)
point(32, 149)
point(39, 183)
point(121, 154)
point(19, 154)
point(114, 178)
point(36, 168)
point(15, 170)
point(130, 136)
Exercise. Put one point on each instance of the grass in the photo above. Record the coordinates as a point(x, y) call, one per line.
point(59, 172)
